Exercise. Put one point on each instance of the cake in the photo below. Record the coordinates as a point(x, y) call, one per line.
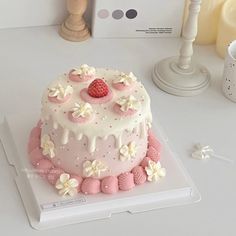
point(95, 133)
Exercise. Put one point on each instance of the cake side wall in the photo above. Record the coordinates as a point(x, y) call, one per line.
point(71, 156)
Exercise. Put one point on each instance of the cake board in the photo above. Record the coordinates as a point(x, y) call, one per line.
point(46, 209)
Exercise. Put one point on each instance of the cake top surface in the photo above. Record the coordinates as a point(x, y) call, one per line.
point(96, 103)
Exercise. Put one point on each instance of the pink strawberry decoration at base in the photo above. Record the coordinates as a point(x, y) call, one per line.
point(126, 181)
point(98, 88)
point(153, 154)
point(145, 161)
point(152, 141)
point(140, 175)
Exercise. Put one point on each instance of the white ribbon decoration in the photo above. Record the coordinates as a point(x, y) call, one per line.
point(205, 152)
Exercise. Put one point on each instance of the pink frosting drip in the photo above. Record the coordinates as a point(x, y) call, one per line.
point(109, 185)
point(126, 181)
point(140, 175)
point(53, 175)
point(55, 100)
point(90, 186)
point(80, 78)
point(87, 98)
point(35, 156)
point(117, 109)
point(153, 154)
point(43, 167)
point(79, 119)
point(121, 86)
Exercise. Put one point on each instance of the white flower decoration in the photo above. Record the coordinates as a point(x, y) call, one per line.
point(127, 152)
point(66, 185)
point(48, 146)
point(60, 92)
point(126, 79)
point(93, 168)
point(82, 110)
point(155, 171)
point(127, 103)
point(84, 70)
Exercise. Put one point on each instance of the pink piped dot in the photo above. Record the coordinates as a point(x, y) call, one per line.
point(78, 119)
point(87, 98)
point(43, 167)
point(140, 175)
point(109, 185)
point(144, 162)
point(126, 181)
point(80, 78)
point(35, 156)
point(55, 100)
point(116, 109)
point(90, 186)
point(79, 179)
point(53, 175)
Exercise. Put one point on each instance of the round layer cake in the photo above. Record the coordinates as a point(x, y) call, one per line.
point(94, 134)
point(110, 128)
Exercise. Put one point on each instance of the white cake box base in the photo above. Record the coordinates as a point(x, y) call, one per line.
point(46, 209)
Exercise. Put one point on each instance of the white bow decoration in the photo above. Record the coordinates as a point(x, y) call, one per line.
point(201, 152)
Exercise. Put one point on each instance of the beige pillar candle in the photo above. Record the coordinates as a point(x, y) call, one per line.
point(208, 21)
point(227, 27)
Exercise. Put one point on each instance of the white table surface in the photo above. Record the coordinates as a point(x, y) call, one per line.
point(30, 58)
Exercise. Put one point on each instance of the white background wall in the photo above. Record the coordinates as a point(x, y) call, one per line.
point(24, 13)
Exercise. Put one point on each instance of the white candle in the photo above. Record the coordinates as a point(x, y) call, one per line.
point(208, 20)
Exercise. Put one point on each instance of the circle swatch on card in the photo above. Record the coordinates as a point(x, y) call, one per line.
point(117, 14)
point(103, 13)
point(131, 14)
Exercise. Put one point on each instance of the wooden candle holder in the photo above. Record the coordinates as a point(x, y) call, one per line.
point(74, 28)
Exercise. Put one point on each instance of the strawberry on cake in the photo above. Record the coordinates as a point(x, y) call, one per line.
point(95, 133)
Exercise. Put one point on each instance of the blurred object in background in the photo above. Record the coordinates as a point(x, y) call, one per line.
point(75, 28)
point(227, 27)
point(208, 20)
point(229, 77)
point(137, 18)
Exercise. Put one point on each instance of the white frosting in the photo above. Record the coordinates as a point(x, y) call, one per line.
point(47, 145)
point(155, 171)
point(82, 110)
point(126, 79)
point(66, 185)
point(60, 92)
point(127, 152)
point(127, 103)
point(84, 70)
point(93, 168)
point(113, 124)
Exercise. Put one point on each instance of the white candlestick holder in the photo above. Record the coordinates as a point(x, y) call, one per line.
point(180, 75)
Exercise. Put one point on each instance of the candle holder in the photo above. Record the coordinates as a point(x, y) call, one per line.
point(179, 75)
point(75, 28)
